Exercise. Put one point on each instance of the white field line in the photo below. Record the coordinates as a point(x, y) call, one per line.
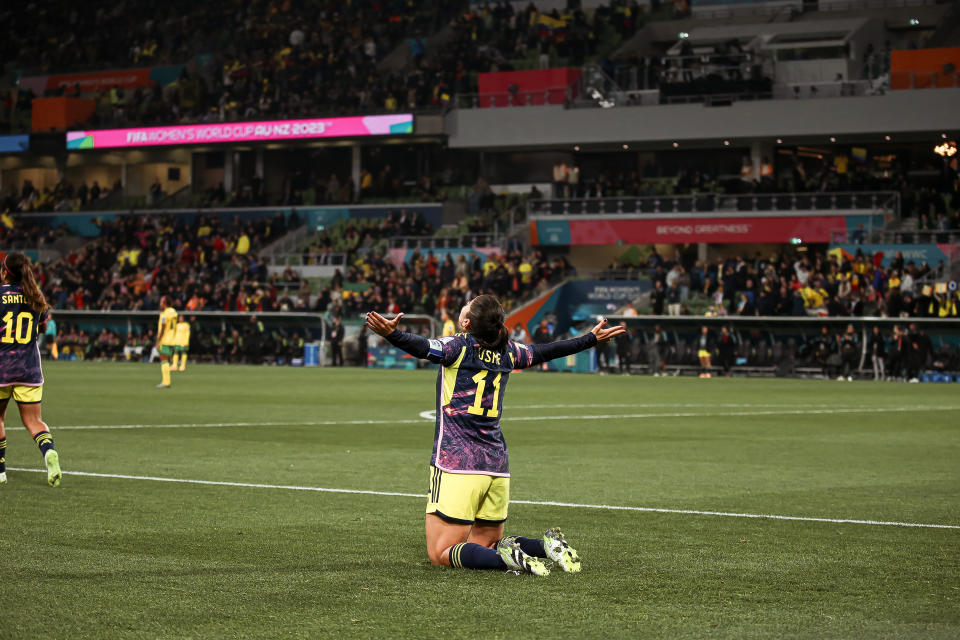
point(571, 505)
point(604, 416)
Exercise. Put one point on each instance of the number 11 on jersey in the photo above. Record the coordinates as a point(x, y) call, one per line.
point(476, 409)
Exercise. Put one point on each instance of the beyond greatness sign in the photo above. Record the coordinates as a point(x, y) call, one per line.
point(242, 132)
point(719, 230)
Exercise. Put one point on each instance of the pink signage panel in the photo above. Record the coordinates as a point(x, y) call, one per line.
point(276, 130)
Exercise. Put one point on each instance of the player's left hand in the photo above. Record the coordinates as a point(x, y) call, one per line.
point(603, 334)
point(380, 325)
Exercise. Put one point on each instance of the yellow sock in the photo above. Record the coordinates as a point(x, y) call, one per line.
point(165, 373)
point(183, 361)
point(174, 360)
point(54, 352)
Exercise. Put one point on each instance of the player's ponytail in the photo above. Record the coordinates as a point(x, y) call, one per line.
point(487, 318)
point(18, 269)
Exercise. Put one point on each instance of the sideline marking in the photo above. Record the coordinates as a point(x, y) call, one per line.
point(547, 503)
point(423, 419)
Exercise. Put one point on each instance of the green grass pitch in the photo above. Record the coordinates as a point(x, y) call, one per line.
point(112, 557)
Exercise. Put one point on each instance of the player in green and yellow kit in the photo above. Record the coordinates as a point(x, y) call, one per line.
point(166, 335)
point(181, 343)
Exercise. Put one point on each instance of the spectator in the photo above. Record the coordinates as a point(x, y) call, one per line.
point(877, 348)
point(543, 334)
point(624, 350)
point(656, 350)
point(673, 299)
point(849, 352)
point(336, 342)
point(727, 349)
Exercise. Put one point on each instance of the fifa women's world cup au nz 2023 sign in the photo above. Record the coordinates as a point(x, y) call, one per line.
point(268, 131)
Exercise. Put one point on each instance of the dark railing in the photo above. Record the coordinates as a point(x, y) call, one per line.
point(553, 95)
point(898, 236)
point(718, 203)
point(924, 80)
point(465, 241)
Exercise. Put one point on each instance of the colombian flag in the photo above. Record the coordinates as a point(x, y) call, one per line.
point(551, 28)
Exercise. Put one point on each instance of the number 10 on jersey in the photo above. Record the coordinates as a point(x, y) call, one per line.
point(476, 409)
point(24, 330)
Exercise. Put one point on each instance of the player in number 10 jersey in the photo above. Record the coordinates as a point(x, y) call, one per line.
point(469, 470)
point(23, 312)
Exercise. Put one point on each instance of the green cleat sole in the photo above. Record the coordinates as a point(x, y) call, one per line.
point(52, 459)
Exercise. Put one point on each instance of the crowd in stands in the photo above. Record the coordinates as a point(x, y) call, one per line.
point(21, 233)
point(349, 236)
point(297, 59)
point(425, 284)
point(799, 285)
point(935, 205)
point(205, 264)
point(271, 60)
point(65, 196)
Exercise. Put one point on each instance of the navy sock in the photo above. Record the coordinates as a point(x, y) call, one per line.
point(3, 454)
point(45, 441)
point(469, 555)
point(532, 546)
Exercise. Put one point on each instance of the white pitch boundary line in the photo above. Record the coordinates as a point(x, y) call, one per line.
point(606, 416)
point(572, 505)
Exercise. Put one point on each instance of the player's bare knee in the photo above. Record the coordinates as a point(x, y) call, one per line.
point(438, 557)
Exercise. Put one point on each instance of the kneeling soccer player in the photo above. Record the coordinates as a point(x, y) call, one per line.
point(469, 471)
point(23, 312)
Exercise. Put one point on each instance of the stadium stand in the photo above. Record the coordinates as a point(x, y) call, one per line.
point(511, 203)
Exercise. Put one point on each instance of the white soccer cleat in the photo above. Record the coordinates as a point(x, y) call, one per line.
point(3, 478)
point(560, 551)
point(516, 560)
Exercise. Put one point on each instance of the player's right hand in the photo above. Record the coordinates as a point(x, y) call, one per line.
point(380, 325)
point(603, 334)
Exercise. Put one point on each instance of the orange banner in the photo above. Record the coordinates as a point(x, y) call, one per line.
point(101, 80)
point(924, 68)
point(57, 114)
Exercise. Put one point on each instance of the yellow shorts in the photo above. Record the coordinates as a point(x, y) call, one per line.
point(703, 353)
point(22, 394)
point(464, 498)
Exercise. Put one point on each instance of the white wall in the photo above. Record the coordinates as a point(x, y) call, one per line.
point(895, 112)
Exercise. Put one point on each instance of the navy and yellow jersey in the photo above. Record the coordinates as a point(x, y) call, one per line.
point(167, 326)
point(471, 386)
point(19, 327)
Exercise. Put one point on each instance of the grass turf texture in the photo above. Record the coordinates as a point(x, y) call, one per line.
point(109, 557)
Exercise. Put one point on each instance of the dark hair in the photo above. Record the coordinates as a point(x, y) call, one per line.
point(18, 267)
point(487, 318)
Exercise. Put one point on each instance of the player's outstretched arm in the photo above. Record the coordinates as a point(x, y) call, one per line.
point(564, 348)
point(417, 346)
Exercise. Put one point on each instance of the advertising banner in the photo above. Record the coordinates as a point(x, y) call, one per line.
point(724, 230)
point(924, 68)
point(276, 130)
point(94, 81)
point(533, 87)
point(932, 254)
point(14, 144)
point(56, 114)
